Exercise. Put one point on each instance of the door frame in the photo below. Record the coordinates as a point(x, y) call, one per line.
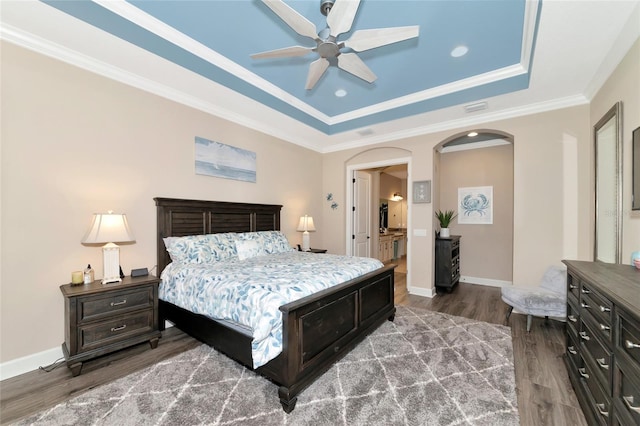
point(351, 168)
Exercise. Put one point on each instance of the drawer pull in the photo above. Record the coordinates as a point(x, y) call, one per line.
point(584, 305)
point(584, 335)
point(572, 318)
point(583, 372)
point(630, 345)
point(572, 350)
point(604, 309)
point(585, 291)
point(122, 327)
point(628, 401)
point(604, 327)
point(601, 410)
point(572, 287)
point(124, 301)
point(601, 363)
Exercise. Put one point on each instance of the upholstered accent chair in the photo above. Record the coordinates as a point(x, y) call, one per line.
point(549, 299)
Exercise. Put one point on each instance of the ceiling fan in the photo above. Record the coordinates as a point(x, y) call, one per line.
point(340, 15)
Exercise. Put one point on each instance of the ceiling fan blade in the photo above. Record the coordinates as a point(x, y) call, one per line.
point(351, 63)
point(297, 22)
point(283, 53)
point(316, 69)
point(341, 16)
point(368, 39)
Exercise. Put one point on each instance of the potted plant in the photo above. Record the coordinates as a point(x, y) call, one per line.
point(445, 219)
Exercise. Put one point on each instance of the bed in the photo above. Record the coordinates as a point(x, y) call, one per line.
point(316, 330)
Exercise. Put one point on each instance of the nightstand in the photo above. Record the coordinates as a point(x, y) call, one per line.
point(103, 318)
point(312, 250)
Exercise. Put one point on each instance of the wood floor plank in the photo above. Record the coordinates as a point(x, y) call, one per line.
point(544, 393)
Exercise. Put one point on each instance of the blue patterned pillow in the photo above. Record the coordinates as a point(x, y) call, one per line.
point(201, 248)
point(271, 242)
point(189, 249)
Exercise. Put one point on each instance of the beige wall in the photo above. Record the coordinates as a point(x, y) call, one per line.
point(74, 143)
point(623, 85)
point(538, 238)
point(486, 251)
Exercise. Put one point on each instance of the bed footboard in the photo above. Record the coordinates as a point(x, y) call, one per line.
point(321, 328)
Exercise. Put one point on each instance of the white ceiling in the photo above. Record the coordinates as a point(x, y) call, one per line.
point(572, 45)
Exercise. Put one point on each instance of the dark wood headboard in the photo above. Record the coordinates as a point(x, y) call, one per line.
point(177, 218)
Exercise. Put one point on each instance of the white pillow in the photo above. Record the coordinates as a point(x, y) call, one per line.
point(248, 248)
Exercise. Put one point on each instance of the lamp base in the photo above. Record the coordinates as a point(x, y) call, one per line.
point(111, 264)
point(305, 241)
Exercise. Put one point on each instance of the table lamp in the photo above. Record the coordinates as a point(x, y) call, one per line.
point(305, 226)
point(109, 228)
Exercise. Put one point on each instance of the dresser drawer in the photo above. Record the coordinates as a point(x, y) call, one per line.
point(114, 303)
point(573, 318)
point(629, 337)
point(573, 353)
point(112, 331)
point(573, 288)
point(597, 354)
point(599, 400)
point(627, 393)
point(598, 305)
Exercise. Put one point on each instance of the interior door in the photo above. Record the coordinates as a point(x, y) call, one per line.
point(361, 214)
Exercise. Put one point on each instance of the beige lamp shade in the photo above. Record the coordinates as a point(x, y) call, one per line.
point(306, 224)
point(108, 228)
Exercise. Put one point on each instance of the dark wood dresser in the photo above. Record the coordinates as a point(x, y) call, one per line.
point(103, 318)
point(447, 267)
point(603, 340)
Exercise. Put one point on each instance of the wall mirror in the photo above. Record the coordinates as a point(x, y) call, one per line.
point(608, 191)
point(635, 170)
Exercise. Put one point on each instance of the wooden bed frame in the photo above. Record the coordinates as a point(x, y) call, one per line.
point(317, 329)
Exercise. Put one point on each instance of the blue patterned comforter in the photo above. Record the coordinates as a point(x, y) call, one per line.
point(249, 292)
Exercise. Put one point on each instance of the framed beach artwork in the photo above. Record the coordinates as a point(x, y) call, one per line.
point(224, 161)
point(476, 205)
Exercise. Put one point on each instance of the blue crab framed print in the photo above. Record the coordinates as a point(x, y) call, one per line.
point(475, 205)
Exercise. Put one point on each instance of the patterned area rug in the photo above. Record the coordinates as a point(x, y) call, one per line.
point(425, 368)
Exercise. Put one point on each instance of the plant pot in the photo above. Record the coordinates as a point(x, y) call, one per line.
point(444, 233)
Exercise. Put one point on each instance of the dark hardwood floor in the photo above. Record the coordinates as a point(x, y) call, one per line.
point(545, 395)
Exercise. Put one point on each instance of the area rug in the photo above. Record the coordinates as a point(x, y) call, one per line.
point(425, 368)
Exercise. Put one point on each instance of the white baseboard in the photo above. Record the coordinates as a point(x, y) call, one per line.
point(32, 362)
point(420, 291)
point(485, 281)
point(29, 363)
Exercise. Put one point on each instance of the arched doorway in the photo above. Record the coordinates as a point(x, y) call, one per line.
point(475, 166)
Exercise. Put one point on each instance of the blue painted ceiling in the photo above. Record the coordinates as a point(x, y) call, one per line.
point(216, 38)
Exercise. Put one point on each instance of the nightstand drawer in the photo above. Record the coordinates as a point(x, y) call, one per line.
point(107, 332)
point(114, 303)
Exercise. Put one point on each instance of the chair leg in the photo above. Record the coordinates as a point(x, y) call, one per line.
point(509, 312)
point(529, 323)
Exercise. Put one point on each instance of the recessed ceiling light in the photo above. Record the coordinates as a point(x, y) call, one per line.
point(459, 51)
point(341, 93)
point(472, 134)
